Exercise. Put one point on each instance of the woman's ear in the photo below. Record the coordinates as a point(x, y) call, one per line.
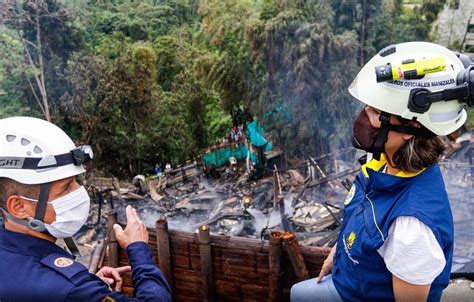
point(18, 207)
point(407, 137)
point(411, 124)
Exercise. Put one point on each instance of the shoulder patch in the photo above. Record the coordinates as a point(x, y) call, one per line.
point(63, 265)
point(350, 195)
point(63, 262)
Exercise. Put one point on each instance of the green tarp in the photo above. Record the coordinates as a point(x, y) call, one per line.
point(256, 135)
point(220, 156)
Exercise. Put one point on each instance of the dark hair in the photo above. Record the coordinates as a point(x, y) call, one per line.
point(418, 152)
point(9, 187)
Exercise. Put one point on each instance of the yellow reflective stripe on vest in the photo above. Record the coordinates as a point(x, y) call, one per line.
point(376, 165)
point(375, 218)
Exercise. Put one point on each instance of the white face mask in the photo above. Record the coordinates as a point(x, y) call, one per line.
point(71, 210)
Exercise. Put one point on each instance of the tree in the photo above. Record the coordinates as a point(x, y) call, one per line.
point(178, 66)
point(42, 29)
point(36, 45)
point(360, 16)
point(12, 75)
point(173, 115)
point(230, 66)
point(115, 105)
point(153, 81)
point(305, 80)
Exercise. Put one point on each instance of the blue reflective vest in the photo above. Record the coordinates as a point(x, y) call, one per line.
point(33, 269)
point(373, 203)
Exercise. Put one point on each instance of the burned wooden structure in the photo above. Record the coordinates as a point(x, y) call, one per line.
point(204, 267)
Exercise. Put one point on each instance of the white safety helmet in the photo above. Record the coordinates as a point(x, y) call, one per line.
point(34, 151)
point(393, 96)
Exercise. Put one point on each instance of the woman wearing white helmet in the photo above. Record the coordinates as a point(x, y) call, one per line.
point(396, 240)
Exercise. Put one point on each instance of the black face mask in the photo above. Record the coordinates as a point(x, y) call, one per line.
point(363, 133)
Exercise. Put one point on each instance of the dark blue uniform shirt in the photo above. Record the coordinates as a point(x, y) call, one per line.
point(33, 269)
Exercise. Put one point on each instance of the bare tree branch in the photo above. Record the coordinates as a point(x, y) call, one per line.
point(39, 66)
point(42, 87)
point(34, 93)
point(30, 43)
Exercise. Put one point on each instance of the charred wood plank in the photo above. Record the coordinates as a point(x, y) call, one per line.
point(163, 250)
point(276, 188)
point(113, 244)
point(206, 263)
point(332, 177)
point(295, 255)
point(274, 262)
point(96, 257)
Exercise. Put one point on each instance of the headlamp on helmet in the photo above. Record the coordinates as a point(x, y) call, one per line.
point(77, 157)
point(420, 99)
point(82, 154)
point(418, 81)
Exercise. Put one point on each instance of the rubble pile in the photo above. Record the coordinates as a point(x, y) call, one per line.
point(235, 205)
point(458, 173)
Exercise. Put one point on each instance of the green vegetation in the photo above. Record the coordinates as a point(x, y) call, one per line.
point(155, 81)
point(470, 118)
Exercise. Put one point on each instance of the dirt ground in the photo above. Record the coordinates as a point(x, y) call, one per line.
point(459, 290)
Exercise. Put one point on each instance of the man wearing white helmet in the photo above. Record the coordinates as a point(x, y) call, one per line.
point(396, 240)
point(41, 201)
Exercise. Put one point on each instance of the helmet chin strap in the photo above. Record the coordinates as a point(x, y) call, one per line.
point(382, 135)
point(37, 223)
point(385, 127)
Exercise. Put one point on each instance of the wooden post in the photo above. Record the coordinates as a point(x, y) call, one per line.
point(206, 263)
point(163, 247)
point(323, 175)
point(276, 188)
point(296, 257)
point(274, 262)
point(113, 244)
point(116, 186)
point(103, 253)
point(309, 171)
point(96, 257)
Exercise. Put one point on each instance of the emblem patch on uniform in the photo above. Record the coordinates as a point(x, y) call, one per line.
point(63, 262)
point(350, 240)
point(108, 299)
point(348, 243)
point(350, 195)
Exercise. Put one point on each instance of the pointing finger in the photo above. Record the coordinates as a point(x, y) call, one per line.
point(136, 215)
point(129, 212)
